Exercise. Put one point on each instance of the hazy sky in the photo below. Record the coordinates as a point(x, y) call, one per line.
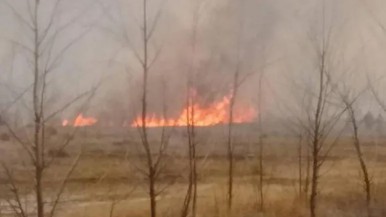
point(276, 37)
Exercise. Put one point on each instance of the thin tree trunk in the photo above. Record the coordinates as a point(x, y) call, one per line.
point(307, 178)
point(188, 195)
point(37, 118)
point(261, 146)
point(357, 145)
point(314, 181)
point(194, 201)
point(191, 195)
point(261, 173)
point(230, 158)
point(193, 157)
point(146, 145)
point(152, 194)
point(230, 139)
point(316, 142)
point(300, 166)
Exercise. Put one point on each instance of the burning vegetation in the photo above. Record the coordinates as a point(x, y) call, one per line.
point(80, 121)
point(215, 113)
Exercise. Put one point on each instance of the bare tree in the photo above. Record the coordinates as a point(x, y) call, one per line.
point(316, 131)
point(44, 53)
point(230, 149)
point(144, 135)
point(321, 126)
point(190, 200)
point(239, 77)
point(348, 102)
point(324, 114)
point(261, 144)
point(154, 164)
point(235, 88)
point(154, 157)
point(296, 127)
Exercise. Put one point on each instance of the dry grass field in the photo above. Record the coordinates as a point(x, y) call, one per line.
point(107, 180)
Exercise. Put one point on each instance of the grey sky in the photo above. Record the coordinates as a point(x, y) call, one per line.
point(277, 32)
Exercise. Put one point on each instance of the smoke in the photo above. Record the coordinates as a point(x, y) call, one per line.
point(273, 37)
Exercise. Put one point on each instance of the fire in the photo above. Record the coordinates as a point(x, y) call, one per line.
point(208, 115)
point(80, 121)
point(65, 123)
point(215, 113)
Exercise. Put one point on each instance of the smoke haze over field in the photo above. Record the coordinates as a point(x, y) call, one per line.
point(274, 37)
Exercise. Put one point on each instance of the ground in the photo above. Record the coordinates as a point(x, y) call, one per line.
point(108, 173)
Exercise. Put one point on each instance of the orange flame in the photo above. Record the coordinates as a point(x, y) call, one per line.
point(216, 113)
point(80, 121)
point(65, 123)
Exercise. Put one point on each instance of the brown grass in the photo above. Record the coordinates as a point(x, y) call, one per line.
point(107, 173)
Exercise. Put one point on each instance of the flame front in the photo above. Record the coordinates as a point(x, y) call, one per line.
point(213, 114)
point(216, 113)
point(80, 121)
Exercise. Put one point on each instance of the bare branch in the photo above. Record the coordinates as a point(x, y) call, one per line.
point(15, 192)
point(18, 15)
